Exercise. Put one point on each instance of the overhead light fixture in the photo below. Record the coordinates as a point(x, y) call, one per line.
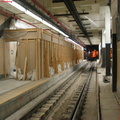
point(70, 40)
point(18, 6)
point(56, 29)
point(33, 15)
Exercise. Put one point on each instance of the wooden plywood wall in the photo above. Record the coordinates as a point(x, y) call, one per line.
point(21, 55)
point(44, 51)
point(31, 55)
point(10, 56)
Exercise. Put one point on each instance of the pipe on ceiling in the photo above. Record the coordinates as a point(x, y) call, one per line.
point(48, 13)
point(27, 5)
point(5, 13)
point(54, 18)
point(71, 7)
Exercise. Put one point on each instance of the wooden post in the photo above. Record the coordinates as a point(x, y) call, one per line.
point(35, 61)
point(52, 52)
point(46, 61)
point(17, 62)
point(42, 55)
point(54, 57)
point(39, 58)
point(38, 52)
point(27, 55)
point(4, 58)
point(25, 68)
point(42, 58)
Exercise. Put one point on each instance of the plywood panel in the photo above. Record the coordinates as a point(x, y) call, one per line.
point(44, 51)
point(30, 35)
point(22, 55)
point(55, 40)
point(10, 55)
point(2, 19)
point(46, 37)
point(31, 56)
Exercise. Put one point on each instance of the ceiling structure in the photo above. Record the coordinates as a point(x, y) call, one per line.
point(82, 20)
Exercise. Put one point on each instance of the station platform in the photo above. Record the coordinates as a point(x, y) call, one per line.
point(9, 84)
point(16, 94)
point(109, 102)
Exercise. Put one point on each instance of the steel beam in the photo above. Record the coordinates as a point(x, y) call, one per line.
point(114, 63)
point(65, 15)
point(57, 1)
point(83, 24)
point(85, 36)
point(75, 21)
point(88, 33)
point(29, 6)
point(71, 7)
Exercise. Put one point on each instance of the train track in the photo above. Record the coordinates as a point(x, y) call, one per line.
point(55, 96)
point(72, 109)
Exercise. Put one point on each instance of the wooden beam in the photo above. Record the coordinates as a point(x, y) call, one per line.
point(42, 55)
point(25, 68)
point(18, 30)
point(4, 61)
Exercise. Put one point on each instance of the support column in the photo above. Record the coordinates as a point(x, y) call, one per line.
point(108, 66)
point(114, 63)
point(103, 49)
point(99, 51)
point(103, 52)
point(108, 40)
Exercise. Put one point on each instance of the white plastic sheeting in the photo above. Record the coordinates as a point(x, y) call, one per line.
point(51, 71)
point(68, 65)
point(65, 66)
point(59, 68)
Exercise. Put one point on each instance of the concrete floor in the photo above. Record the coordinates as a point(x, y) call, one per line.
point(7, 85)
point(109, 106)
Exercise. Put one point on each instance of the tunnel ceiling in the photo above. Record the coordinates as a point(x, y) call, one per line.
point(89, 12)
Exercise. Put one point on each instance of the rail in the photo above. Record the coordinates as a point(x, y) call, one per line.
point(78, 107)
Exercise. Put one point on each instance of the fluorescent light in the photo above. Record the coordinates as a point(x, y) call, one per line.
point(70, 40)
point(33, 15)
point(56, 29)
point(16, 5)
